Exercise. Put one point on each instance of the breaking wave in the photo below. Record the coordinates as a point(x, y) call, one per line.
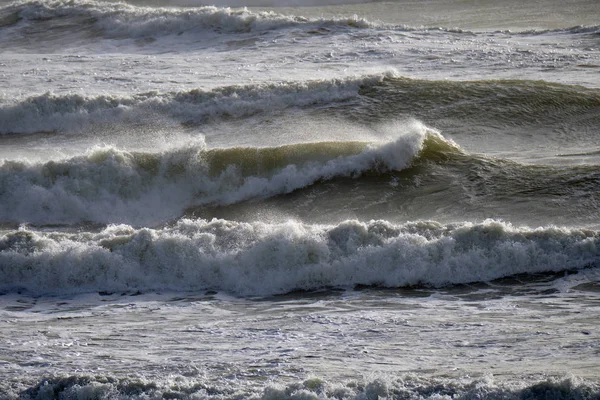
point(384, 96)
point(49, 112)
point(123, 21)
point(261, 259)
point(109, 185)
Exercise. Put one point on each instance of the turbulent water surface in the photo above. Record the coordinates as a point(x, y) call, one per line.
point(299, 199)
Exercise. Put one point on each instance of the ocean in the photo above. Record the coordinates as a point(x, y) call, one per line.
point(300, 199)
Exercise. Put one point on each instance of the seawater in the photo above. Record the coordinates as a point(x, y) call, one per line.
point(299, 200)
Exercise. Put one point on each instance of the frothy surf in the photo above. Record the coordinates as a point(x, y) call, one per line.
point(259, 259)
point(355, 253)
point(406, 387)
point(119, 20)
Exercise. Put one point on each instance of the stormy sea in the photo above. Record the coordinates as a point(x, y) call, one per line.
point(300, 199)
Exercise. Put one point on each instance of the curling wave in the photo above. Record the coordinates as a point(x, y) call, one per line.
point(109, 185)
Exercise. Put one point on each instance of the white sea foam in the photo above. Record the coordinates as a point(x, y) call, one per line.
point(264, 259)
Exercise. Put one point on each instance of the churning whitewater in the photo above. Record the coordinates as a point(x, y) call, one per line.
point(260, 259)
point(261, 199)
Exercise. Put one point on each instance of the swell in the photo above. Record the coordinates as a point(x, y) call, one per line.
point(578, 29)
point(485, 104)
point(110, 185)
point(260, 259)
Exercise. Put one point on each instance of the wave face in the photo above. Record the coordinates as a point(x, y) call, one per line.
point(109, 185)
point(409, 387)
point(259, 259)
point(479, 107)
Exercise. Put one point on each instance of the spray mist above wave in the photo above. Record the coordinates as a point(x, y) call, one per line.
point(109, 185)
point(259, 259)
point(74, 112)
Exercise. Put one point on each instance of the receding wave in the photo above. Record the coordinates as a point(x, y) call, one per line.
point(402, 387)
point(110, 185)
point(49, 112)
point(261, 259)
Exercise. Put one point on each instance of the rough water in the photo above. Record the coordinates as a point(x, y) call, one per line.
point(299, 200)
